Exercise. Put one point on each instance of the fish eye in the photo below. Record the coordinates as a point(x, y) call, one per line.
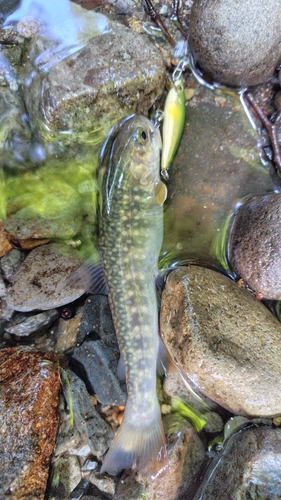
point(141, 135)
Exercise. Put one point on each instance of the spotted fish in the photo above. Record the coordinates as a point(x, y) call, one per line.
point(131, 228)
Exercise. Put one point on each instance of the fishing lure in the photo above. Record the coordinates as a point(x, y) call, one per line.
point(173, 124)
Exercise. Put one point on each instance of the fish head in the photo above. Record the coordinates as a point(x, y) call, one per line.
point(134, 160)
point(144, 150)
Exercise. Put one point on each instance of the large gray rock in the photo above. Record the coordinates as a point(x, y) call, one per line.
point(114, 74)
point(228, 343)
point(255, 244)
point(248, 467)
point(237, 42)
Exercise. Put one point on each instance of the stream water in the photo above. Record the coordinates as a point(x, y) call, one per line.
point(48, 176)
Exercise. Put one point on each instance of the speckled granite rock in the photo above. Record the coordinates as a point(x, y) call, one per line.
point(228, 343)
point(248, 467)
point(254, 244)
point(224, 40)
point(29, 396)
point(38, 283)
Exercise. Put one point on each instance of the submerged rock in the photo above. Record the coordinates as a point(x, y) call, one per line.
point(228, 343)
point(29, 396)
point(224, 41)
point(24, 325)
point(15, 134)
point(255, 244)
point(56, 214)
point(10, 263)
point(114, 74)
point(94, 362)
point(248, 467)
point(39, 282)
point(185, 455)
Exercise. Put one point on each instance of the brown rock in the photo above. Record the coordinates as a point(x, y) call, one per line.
point(228, 343)
point(184, 458)
point(29, 396)
point(255, 244)
point(114, 74)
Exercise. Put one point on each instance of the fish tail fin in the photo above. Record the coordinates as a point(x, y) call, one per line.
point(137, 445)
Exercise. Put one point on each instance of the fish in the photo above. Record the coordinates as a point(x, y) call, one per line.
point(130, 239)
point(173, 124)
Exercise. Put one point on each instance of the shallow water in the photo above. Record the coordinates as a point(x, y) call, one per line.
point(218, 164)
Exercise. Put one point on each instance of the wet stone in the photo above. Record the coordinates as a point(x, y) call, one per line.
point(97, 321)
point(97, 366)
point(96, 432)
point(69, 474)
point(55, 215)
point(254, 244)
point(114, 74)
point(15, 134)
point(2, 287)
point(66, 333)
point(39, 282)
point(29, 396)
point(248, 467)
point(11, 262)
point(223, 39)
point(228, 343)
point(23, 325)
point(184, 458)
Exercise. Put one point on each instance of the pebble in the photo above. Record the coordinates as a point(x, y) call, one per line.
point(227, 342)
point(255, 244)
point(11, 262)
point(93, 362)
point(15, 135)
point(98, 434)
point(2, 287)
point(29, 397)
point(224, 41)
point(38, 283)
point(24, 325)
point(248, 467)
point(66, 334)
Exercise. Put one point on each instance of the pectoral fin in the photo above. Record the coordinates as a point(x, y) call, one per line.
point(160, 192)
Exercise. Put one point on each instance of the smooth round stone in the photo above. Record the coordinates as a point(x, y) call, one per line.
point(248, 468)
point(39, 283)
point(236, 42)
point(255, 244)
point(227, 342)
